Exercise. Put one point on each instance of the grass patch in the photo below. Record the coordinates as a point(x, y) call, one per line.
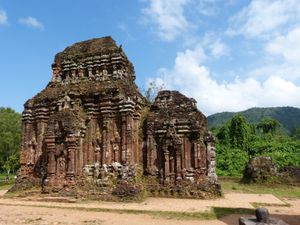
point(215, 213)
point(259, 204)
point(233, 184)
point(221, 212)
point(5, 186)
point(20, 193)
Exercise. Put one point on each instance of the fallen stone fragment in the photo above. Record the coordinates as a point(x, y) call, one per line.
point(262, 218)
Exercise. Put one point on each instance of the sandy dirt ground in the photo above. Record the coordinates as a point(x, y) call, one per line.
point(38, 212)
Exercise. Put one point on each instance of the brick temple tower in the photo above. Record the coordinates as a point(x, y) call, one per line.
point(88, 115)
point(91, 124)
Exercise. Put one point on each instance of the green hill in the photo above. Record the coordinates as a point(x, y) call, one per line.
point(289, 117)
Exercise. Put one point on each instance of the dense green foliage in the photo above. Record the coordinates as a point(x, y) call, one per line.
point(289, 117)
point(238, 141)
point(10, 139)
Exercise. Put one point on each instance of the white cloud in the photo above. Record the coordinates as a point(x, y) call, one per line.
point(264, 18)
point(207, 7)
point(218, 49)
point(283, 70)
point(166, 17)
point(31, 22)
point(194, 80)
point(170, 19)
point(214, 45)
point(3, 17)
point(276, 25)
point(286, 46)
point(282, 57)
point(211, 43)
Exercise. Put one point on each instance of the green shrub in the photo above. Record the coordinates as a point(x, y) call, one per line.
point(231, 162)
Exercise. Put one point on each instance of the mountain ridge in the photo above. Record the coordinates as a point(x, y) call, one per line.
point(288, 116)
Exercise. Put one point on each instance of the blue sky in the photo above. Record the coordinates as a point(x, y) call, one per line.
point(229, 55)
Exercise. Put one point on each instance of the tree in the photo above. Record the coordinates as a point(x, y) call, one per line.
point(268, 125)
point(12, 164)
point(10, 138)
point(239, 132)
point(152, 90)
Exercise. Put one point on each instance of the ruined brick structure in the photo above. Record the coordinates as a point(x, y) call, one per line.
point(87, 124)
point(179, 148)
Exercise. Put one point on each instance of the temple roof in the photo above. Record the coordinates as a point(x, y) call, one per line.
point(92, 47)
point(171, 105)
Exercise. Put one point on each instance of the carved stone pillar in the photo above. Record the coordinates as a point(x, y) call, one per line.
point(105, 142)
point(178, 161)
point(195, 146)
point(41, 126)
point(97, 153)
point(172, 161)
point(71, 145)
point(187, 148)
point(129, 155)
point(186, 159)
point(135, 136)
point(123, 138)
point(166, 164)
point(90, 148)
point(27, 125)
point(183, 154)
point(50, 144)
point(150, 152)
